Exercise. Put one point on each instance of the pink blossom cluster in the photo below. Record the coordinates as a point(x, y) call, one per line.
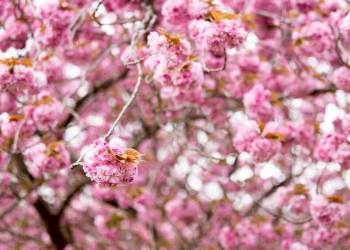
point(296, 199)
point(333, 147)
point(175, 68)
point(327, 213)
point(257, 103)
point(227, 238)
point(185, 211)
point(46, 111)
point(341, 78)
point(47, 158)
point(11, 124)
point(344, 29)
point(248, 139)
point(56, 19)
point(7, 103)
point(111, 163)
point(20, 79)
point(305, 6)
point(176, 12)
point(15, 34)
point(216, 37)
point(119, 5)
point(15, 25)
point(342, 125)
point(108, 226)
point(315, 39)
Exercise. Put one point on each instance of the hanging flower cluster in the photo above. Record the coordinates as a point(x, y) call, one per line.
point(111, 163)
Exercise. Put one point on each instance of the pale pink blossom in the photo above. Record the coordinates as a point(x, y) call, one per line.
point(227, 238)
point(257, 103)
point(47, 112)
point(341, 78)
point(47, 158)
point(326, 213)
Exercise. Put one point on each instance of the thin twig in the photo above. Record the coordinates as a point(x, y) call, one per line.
point(95, 11)
point(147, 23)
point(268, 193)
point(284, 217)
point(124, 21)
point(10, 208)
point(129, 102)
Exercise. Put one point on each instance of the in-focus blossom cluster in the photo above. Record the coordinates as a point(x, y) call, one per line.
point(111, 163)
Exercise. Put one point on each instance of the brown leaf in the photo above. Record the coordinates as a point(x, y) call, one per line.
point(217, 15)
point(172, 39)
point(300, 189)
point(275, 136)
point(16, 117)
point(336, 198)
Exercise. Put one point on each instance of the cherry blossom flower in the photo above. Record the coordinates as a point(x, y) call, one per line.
point(111, 163)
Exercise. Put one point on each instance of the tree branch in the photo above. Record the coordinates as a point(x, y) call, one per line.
point(130, 210)
point(128, 103)
point(268, 193)
point(95, 90)
point(52, 224)
point(77, 189)
point(51, 221)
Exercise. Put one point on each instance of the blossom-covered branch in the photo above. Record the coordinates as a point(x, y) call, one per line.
point(192, 124)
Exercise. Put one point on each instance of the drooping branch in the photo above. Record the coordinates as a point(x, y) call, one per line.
point(280, 215)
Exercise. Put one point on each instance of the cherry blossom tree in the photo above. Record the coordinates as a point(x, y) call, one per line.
point(175, 124)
